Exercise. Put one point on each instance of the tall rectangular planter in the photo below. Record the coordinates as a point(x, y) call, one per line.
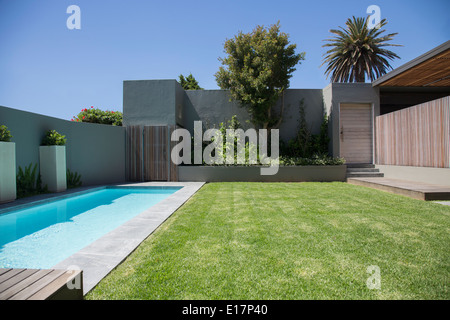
point(8, 190)
point(52, 165)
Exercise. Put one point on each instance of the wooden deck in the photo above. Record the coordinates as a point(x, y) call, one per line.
point(36, 284)
point(416, 190)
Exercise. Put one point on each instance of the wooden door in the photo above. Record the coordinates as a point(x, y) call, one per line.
point(356, 129)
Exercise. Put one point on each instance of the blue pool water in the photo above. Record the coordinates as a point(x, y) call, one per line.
point(40, 236)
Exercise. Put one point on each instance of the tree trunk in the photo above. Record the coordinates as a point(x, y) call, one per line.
point(360, 77)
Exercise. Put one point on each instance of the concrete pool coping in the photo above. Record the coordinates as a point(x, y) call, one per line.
point(103, 255)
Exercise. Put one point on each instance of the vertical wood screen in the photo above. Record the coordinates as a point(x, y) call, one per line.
point(148, 154)
point(415, 136)
point(134, 171)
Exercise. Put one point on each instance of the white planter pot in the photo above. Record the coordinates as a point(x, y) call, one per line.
point(52, 165)
point(7, 171)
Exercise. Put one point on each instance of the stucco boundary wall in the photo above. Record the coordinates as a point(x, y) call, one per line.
point(95, 151)
point(438, 176)
point(164, 102)
point(253, 174)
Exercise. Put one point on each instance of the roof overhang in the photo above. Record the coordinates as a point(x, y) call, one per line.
point(432, 69)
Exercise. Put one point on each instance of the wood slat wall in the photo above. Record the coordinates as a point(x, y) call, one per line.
point(134, 152)
point(148, 154)
point(155, 154)
point(173, 167)
point(415, 136)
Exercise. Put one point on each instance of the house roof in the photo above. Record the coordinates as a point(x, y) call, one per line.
point(432, 69)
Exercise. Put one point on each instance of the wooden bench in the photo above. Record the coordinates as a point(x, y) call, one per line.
point(37, 284)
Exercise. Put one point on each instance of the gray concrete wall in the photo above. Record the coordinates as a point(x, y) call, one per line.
point(211, 107)
point(95, 151)
point(214, 106)
point(164, 102)
point(439, 176)
point(337, 93)
point(149, 102)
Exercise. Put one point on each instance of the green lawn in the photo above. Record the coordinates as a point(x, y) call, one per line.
point(290, 241)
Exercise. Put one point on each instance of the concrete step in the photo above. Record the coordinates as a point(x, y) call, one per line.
point(364, 174)
point(362, 170)
point(360, 165)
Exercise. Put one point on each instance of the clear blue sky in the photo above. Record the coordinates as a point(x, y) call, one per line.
point(48, 69)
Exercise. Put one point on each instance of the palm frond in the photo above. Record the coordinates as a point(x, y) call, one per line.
point(356, 52)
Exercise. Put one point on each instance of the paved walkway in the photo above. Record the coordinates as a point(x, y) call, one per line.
point(417, 190)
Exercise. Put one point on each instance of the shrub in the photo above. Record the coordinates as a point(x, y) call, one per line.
point(29, 182)
point(316, 160)
point(5, 135)
point(306, 144)
point(94, 115)
point(231, 142)
point(53, 138)
point(73, 179)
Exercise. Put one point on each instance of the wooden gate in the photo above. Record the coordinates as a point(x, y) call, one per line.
point(148, 154)
point(356, 138)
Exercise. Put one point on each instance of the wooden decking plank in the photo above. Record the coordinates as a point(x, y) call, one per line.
point(43, 278)
point(2, 271)
point(19, 282)
point(15, 277)
point(56, 285)
point(417, 190)
point(7, 275)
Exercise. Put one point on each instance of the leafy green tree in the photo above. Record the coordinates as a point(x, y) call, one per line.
point(189, 82)
point(257, 70)
point(357, 52)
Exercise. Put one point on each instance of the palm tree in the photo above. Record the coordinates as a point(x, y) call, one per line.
point(358, 51)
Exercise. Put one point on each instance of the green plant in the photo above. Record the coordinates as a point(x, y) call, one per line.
point(306, 144)
point(230, 141)
point(53, 138)
point(258, 68)
point(189, 82)
point(95, 115)
point(28, 182)
point(73, 179)
point(315, 160)
point(357, 52)
point(5, 134)
point(321, 141)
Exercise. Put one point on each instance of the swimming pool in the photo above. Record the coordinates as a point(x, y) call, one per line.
point(42, 235)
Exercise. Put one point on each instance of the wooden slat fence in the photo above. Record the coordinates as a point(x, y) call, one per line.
point(415, 136)
point(134, 149)
point(148, 154)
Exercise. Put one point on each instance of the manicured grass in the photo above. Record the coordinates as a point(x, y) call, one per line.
point(290, 241)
